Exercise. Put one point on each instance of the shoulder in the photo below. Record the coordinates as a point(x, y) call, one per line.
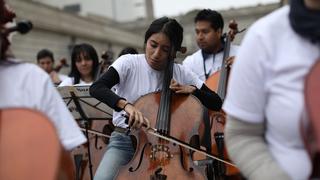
point(128, 60)
point(62, 76)
point(68, 81)
point(32, 79)
point(182, 71)
point(128, 64)
point(193, 60)
point(265, 35)
point(29, 68)
point(177, 66)
point(130, 57)
point(29, 72)
point(185, 76)
point(193, 57)
point(272, 24)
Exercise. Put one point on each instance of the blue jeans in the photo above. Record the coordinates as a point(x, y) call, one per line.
point(119, 152)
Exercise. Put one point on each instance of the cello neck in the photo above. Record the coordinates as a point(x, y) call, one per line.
point(222, 86)
point(163, 116)
point(224, 71)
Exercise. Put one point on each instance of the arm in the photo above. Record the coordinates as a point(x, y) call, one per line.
point(207, 97)
point(248, 149)
point(54, 107)
point(101, 90)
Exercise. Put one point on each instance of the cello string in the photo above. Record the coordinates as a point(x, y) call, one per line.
point(165, 106)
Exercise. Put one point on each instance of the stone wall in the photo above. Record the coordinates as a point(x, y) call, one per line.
point(58, 31)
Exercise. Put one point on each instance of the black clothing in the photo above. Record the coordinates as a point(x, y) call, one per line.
point(101, 90)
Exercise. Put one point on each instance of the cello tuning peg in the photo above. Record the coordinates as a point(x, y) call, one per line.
point(183, 49)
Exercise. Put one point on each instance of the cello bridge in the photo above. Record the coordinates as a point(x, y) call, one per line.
point(160, 152)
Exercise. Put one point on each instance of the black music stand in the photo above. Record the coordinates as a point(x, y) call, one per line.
point(84, 108)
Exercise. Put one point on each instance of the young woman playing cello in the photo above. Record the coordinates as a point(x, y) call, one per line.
point(137, 75)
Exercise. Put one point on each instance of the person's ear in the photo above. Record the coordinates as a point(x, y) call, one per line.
point(219, 30)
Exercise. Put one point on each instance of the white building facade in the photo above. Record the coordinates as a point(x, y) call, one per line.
point(117, 10)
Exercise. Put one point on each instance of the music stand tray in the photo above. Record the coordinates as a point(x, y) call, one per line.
point(92, 108)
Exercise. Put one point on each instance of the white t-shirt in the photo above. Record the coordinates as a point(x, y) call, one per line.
point(69, 81)
point(267, 83)
point(62, 77)
point(213, 62)
point(27, 86)
point(137, 78)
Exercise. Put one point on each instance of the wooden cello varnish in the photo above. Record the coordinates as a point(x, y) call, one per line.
point(30, 147)
point(312, 135)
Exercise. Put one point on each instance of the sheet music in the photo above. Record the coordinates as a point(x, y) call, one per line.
point(93, 108)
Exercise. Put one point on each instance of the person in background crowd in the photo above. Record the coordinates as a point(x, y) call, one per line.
point(208, 59)
point(265, 97)
point(84, 66)
point(45, 60)
point(128, 50)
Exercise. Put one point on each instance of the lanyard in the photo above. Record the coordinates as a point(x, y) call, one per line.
point(204, 65)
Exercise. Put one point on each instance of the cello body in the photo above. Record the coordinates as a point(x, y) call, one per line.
point(217, 122)
point(159, 159)
point(98, 146)
point(30, 147)
point(311, 136)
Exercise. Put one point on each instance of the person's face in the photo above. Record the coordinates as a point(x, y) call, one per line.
point(84, 65)
point(157, 51)
point(207, 38)
point(46, 64)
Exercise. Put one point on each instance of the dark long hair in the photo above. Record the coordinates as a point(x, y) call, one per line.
point(170, 27)
point(87, 50)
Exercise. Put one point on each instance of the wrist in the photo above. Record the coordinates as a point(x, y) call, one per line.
point(120, 104)
point(193, 88)
point(127, 103)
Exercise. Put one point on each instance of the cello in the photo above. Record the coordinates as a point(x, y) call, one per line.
point(311, 135)
point(62, 63)
point(104, 63)
point(217, 119)
point(99, 134)
point(27, 137)
point(97, 130)
point(156, 158)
